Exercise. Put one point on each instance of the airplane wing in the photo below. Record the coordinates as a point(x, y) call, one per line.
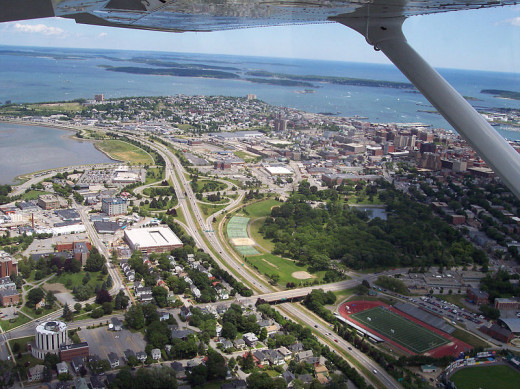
point(211, 15)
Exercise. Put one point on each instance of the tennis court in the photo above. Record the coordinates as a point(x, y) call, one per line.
point(246, 250)
point(397, 328)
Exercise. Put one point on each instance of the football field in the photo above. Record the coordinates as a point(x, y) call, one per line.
point(399, 329)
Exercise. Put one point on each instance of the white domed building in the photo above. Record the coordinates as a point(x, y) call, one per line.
point(49, 337)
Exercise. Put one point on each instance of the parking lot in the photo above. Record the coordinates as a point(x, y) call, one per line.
point(103, 341)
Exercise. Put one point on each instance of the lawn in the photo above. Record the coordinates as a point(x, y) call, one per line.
point(412, 336)
point(453, 298)
point(8, 325)
point(254, 228)
point(469, 338)
point(271, 264)
point(21, 341)
point(123, 151)
point(487, 377)
point(33, 194)
point(261, 208)
point(154, 175)
point(76, 279)
point(31, 312)
point(209, 209)
point(41, 109)
point(343, 294)
point(209, 186)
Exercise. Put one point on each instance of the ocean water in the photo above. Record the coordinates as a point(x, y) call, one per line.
point(36, 74)
point(25, 149)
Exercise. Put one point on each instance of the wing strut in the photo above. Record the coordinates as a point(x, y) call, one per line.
point(386, 34)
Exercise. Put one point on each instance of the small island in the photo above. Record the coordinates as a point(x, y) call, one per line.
point(503, 94)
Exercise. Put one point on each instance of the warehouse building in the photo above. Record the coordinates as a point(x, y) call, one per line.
point(152, 240)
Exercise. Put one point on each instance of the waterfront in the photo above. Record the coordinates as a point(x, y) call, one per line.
point(25, 149)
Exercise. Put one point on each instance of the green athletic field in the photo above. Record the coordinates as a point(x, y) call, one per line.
point(237, 227)
point(487, 377)
point(397, 328)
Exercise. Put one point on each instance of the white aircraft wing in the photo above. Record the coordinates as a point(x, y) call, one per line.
point(211, 15)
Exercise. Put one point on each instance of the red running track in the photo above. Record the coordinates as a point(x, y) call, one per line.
point(454, 347)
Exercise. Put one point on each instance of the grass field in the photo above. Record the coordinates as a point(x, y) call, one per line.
point(209, 186)
point(487, 377)
point(7, 324)
point(124, 151)
point(209, 209)
point(469, 338)
point(42, 109)
point(272, 264)
point(154, 175)
point(258, 237)
point(414, 337)
point(76, 279)
point(33, 194)
point(261, 208)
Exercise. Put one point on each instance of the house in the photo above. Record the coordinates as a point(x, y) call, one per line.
point(142, 290)
point(272, 329)
point(146, 297)
point(305, 378)
point(96, 382)
point(260, 357)
point(322, 379)
point(303, 355)
point(226, 344)
point(129, 353)
point(180, 371)
point(185, 313)
point(195, 291)
point(113, 359)
point(80, 383)
point(181, 334)
point(275, 358)
point(239, 344)
point(77, 363)
point(156, 354)
point(141, 356)
point(296, 348)
point(35, 373)
point(235, 384)
point(116, 324)
point(288, 376)
point(62, 385)
point(62, 368)
point(163, 316)
point(250, 339)
point(287, 354)
point(218, 329)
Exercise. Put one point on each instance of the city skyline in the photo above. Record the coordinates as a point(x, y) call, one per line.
point(490, 47)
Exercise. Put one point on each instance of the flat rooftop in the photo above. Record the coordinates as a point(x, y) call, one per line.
point(152, 237)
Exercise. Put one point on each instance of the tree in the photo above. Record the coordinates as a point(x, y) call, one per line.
point(109, 282)
point(50, 299)
point(229, 330)
point(77, 307)
point(232, 363)
point(249, 362)
point(160, 295)
point(121, 301)
point(262, 380)
point(263, 334)
point(216, 365)
point(95, 261)
point(47, 374)
point(103, 296)
point(34, 296)
point(107, 308)
point(6, 374)
point(134, 317)
point(67, 313)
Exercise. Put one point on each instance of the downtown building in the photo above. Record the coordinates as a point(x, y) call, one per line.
point(114, 206)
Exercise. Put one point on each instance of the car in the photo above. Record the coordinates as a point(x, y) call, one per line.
point(335, 340)
point(315, 326)
point(375, 371)
point(350, 348)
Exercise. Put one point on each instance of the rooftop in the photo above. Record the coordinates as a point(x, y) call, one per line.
point(152, 236)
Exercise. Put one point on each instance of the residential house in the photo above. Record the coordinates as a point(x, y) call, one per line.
point(141, 356)
point(180, 371)
point(35, 373)
point(287, 354)
point(96, 382)
point(296, 348)
point(235, 384)
point(117, 324)
point(250, 339)
point(275, 357)
point(113, 359)
point(185, 313)
point(181, 334)
point(303, 356)
point(239, 344)
point(77, 363)
point(146, 298)
point(163, 316)
point(62, 368)
point(226, 344)
point(80, 383)
point(305, 378)
point(288, 376)
point(260, 357)
point(156, 354)
point(129, 353)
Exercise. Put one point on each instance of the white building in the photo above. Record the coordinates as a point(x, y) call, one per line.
point(152, 239)
point(49, 337)
point(114, 206)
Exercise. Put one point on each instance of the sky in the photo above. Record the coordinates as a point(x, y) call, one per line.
point(487, 39)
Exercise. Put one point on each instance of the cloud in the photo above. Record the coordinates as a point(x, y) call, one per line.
point(513, 21)
point(38, 29)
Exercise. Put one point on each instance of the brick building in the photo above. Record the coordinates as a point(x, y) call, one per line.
point(69, 351)
point(8, 265)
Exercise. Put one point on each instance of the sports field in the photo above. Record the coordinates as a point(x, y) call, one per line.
point(237, 227)
point(397, 328)
point(487, 377)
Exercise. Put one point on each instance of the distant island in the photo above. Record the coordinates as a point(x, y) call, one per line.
point(504, 94)
point(332, 80)
point(280, 82)
point(179, 72)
